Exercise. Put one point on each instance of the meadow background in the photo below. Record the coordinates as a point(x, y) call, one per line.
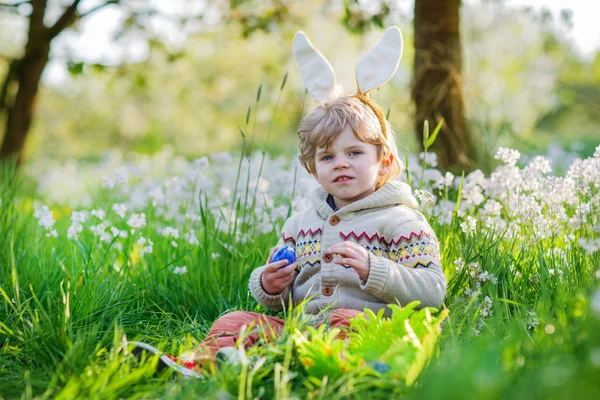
point(158, 175)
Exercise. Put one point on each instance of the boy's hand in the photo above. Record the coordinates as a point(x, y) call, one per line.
point(275, 278)
point(352, 255)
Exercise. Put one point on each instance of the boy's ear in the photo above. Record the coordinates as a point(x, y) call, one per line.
point(386, 163)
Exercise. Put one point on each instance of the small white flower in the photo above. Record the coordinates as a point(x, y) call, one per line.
point(426, 199)
point(180, 270)
point(192, 239)
point(173, 243)
point(201, 162)
point(46, 219)
point(137, 221)
point(108, 183)
point(469, 226)
point(148, 245)
point(119, 209)
point(508, 156)
point(217, 255)
point(533, 321)
point(117, 232)
point(459, 264)
point(446, 180)
point(170, 232)
point(100, 214)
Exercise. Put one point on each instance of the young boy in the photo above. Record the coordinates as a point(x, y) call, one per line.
point(362, 243)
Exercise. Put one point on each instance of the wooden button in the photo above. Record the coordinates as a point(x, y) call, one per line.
point(327, 291)
point(334, 220)
point(327, 257)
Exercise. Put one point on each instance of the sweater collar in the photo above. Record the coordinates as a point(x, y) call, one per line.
point(391, 194)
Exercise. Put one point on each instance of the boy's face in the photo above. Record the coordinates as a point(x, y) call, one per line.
point(348, 168)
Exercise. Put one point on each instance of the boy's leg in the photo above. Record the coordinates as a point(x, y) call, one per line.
point(226, 329)
point(340, 318)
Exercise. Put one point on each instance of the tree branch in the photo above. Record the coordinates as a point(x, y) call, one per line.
point(12, 7)
point(65, 20)
point(71, 15)
point(93, 10)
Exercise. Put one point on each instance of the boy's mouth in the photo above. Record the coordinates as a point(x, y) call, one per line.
point(342, 178)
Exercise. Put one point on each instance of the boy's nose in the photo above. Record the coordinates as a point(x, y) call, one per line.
point(340, 162)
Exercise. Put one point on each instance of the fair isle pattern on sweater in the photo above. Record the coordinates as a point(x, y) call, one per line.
point(308, 247)
point(404, 262)
point(401, 250)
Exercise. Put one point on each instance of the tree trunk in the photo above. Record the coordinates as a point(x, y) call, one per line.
point(438, 88)
point(27, 74)
point(20, 113)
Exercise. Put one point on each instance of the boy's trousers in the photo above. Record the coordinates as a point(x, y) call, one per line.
point(226, 330)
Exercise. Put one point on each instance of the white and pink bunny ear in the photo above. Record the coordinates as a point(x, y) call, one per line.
point(317, 73)
point(380, 63)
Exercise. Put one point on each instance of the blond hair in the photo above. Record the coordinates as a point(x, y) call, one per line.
point(322, 124)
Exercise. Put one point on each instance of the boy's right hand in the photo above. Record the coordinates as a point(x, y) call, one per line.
point(275, 278)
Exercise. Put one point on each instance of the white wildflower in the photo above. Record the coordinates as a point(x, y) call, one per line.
point(540, 165)
point(486, 308)
point(118, 232)
point(108, 183)
point(201, 163)
point(147, 245)
point(77, 218)
point(217, 255)
point(532, 321)
point(469, 226)
point(119, 209)
point(192, 239)
point(590, 246)
point(460, 264)
point(426, 199)
point(137, 221)
point(508, 156)
point(122, 178)
point(170, 232)
point(445, 181)
point(430, 159)
point(100, 214)
point(46, 219)
point(180, 270)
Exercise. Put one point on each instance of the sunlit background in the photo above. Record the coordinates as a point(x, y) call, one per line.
point(531, 75)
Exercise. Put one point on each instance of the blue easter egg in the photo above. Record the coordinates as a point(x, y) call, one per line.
point(380, 366)
point(285, 253)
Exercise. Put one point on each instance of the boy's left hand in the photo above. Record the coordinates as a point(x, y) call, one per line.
point(353, 255)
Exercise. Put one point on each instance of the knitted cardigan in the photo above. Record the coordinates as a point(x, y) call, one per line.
point(403, 254)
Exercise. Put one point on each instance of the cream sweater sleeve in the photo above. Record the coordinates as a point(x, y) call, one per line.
point(275, 302)
point(413, 271)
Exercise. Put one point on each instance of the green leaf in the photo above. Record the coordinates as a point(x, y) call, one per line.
point(258, 93)
point(434, 134)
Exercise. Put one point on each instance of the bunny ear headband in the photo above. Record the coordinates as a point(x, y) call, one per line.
point(373, 70)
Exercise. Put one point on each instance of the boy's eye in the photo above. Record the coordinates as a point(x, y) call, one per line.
point(326, 158)
point(355, 152)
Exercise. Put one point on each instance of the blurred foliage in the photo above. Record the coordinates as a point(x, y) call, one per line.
point(524, 85)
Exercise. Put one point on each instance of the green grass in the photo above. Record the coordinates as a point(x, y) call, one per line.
point(66, 307)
